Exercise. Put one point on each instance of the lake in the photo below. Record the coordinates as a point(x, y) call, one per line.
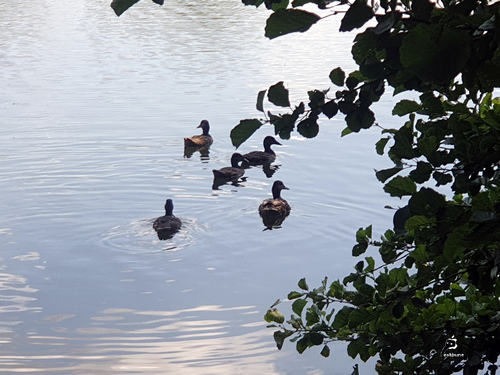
point(94, 111)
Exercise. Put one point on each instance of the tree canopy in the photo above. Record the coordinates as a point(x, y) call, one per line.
point(429, 302)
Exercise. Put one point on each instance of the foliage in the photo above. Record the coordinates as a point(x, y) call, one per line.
point(437, 278)
point(428, 302)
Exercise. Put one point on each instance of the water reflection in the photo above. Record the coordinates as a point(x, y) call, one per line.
point(203, 150)
point(122, 340)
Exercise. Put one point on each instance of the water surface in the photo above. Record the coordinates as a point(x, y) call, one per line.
point(94, 109)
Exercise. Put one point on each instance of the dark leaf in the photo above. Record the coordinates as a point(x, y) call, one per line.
point(285, 21)
point(278, 95)
point(422, 173)
point(337, 76)
point(384, 174)
point(361, 118)
point(380, 145)
point(120, 6)
point(241, 132)
point(260, 100)
point(309, 127)
point(356, 16)
point(434, 52)
point(325, 352)
point(405, 107)
point(330, 109)
point(400, 186)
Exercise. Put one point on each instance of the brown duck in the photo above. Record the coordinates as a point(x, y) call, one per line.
point(275, 207)
point(202, 140)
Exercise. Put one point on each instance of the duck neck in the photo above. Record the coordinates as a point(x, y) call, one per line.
point(205, 130)
point(276, 193)
point(267, 149)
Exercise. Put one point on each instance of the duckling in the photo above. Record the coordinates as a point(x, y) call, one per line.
point(203, 140)
point(263, 157)
point(275, 207)
point(166, 226)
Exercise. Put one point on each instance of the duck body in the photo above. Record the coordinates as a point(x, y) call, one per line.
point(275, 208)
point(233, 172)
point(202, 140)
point(263, 157)
point(166, 226)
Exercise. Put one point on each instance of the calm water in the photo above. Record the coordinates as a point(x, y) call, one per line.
point(93, 112)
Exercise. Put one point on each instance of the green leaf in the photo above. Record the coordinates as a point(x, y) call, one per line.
point(400, 186)
point(371, 264)
point(337, 76)
point(405, 107)
point(278, 95)
point(302, 345)
point(294, 295)
point(361, 118)
point(418, 221)
point(303, 284)
point(422, 173)
point(426, 202)
point(309, 126)
point(356, 16)
point(280, 336)
point(359, 249)
point(241, 132)
point(434, 52)
point(260, 100)
point(285, 21)
point(345, 132)
point(298, 306)
point(330, 108)
point(325, 352)
point(120, 6)
point(384, 174)
point(380, 145)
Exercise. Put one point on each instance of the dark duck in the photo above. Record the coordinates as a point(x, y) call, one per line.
point(166, 226)
point(202, 140)
point(273, 211)
point(263, 157)
point(233, 172)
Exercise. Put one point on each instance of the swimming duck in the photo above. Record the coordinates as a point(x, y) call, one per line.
point(202, 140)
point(234, 171)
point(166, 226)
point(263, 157)
point(275, 207)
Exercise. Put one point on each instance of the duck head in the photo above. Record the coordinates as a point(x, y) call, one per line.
point(277, 187)
point(268, 141)
point(236, 158)
point(169, 207)
point(205, 126)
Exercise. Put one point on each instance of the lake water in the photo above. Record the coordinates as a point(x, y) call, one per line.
point(93, 112)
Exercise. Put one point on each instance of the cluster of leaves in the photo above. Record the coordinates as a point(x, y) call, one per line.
point(438, 274)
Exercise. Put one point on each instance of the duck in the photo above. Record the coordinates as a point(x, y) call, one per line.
point(276, 207)
point(233, 172)
point(202, 140)
point(263, 157)
point(166, 226)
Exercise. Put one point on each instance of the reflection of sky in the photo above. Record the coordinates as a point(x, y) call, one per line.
point(93, 110)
